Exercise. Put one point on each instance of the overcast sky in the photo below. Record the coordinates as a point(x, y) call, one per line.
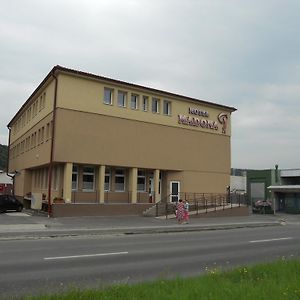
point(241, 53)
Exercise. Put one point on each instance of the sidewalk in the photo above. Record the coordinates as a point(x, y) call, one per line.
point(25, 225)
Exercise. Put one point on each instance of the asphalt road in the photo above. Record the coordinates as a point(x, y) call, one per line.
point(51, 265)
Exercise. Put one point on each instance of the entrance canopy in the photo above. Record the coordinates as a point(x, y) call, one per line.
point(285, 188)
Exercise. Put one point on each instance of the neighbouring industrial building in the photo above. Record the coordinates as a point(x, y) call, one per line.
point(99, 144)
point(281, 187)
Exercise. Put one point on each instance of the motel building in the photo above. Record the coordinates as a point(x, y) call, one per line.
point(84, 144)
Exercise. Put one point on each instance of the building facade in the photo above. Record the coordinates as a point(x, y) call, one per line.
point(85, 138)
point(280, 187)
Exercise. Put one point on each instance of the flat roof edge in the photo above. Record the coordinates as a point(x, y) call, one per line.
point(62, 69)
point(90, 75)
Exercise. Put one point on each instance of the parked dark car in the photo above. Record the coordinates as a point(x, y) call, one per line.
point(8, 202)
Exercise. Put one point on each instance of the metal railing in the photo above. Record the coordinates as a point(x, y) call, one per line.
point(201, 202)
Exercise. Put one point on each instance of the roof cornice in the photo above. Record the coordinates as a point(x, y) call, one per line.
point(60, 69)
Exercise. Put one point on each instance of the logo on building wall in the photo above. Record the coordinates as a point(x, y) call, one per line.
point(223, 119)
point(199, 118)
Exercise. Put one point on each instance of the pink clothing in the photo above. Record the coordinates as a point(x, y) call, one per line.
point(180, 211)
point(186, 216)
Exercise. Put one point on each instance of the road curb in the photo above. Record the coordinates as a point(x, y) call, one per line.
point(48, 232)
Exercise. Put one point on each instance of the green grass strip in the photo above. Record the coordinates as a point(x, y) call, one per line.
point(279, 280)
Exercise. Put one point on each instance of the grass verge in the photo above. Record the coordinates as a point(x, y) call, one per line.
point(278, 280)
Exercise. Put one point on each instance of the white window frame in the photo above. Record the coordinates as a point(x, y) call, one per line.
point(141, 175)
point(122, 102)
point(105, 99)
point(134, 103)
point(167, 108)
point(107, 175)
point(145, 103)
point(75, 172)
point(172, 195)
point(88, 174)
point(155, 105)
point(120, 176)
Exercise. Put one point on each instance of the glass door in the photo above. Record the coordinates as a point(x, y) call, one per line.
point(174, 191)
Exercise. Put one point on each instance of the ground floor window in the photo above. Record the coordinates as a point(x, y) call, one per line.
point(141, 181)
point(107, 179)
point(88, 178)
point(75, 178)
point(120, 180)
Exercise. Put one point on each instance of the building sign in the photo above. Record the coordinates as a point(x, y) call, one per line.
point(223, 118)
point(203, 122)
point(198, 112)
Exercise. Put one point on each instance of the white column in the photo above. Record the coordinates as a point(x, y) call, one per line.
point(133, 184)
point(156, 186)
point(67, 190)
point(101, 181)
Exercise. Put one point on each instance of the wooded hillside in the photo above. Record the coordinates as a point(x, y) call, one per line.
point(3, 157)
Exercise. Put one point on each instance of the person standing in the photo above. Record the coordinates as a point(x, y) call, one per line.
point(186, 211)
point(180, 211)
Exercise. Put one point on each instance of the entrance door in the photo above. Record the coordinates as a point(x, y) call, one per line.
point(151, 185)
point(175, 191)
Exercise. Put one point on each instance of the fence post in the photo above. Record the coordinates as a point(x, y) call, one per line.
point(166, 210)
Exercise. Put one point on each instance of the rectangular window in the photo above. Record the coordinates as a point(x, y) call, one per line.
point(47, 179)
point(42, 134)
point(120, 180)
point(167, 107)
point(145, 103)
point(23, 120)
point(47, 131)
point(88, 178)
point(107, 180)
point(134, 101)
point(39, 136)
point(155, 105)
point(108, 96)
point(41, 103)
point(122, 98)
point(34, 139)
point(141, 181)
point(75, 178)
point(56, 179)
point(28, 114)
point(44, 101)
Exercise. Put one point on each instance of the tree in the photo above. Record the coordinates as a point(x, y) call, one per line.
point(3, 157)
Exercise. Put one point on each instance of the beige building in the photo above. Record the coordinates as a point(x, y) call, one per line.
point(89, 139)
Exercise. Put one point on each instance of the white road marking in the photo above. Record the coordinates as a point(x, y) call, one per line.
point(85, 255)
point(17, 214)
point(271, 240)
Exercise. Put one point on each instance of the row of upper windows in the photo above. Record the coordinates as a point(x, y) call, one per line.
point(33, 140)
point(137, 101)
point(38, 105)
